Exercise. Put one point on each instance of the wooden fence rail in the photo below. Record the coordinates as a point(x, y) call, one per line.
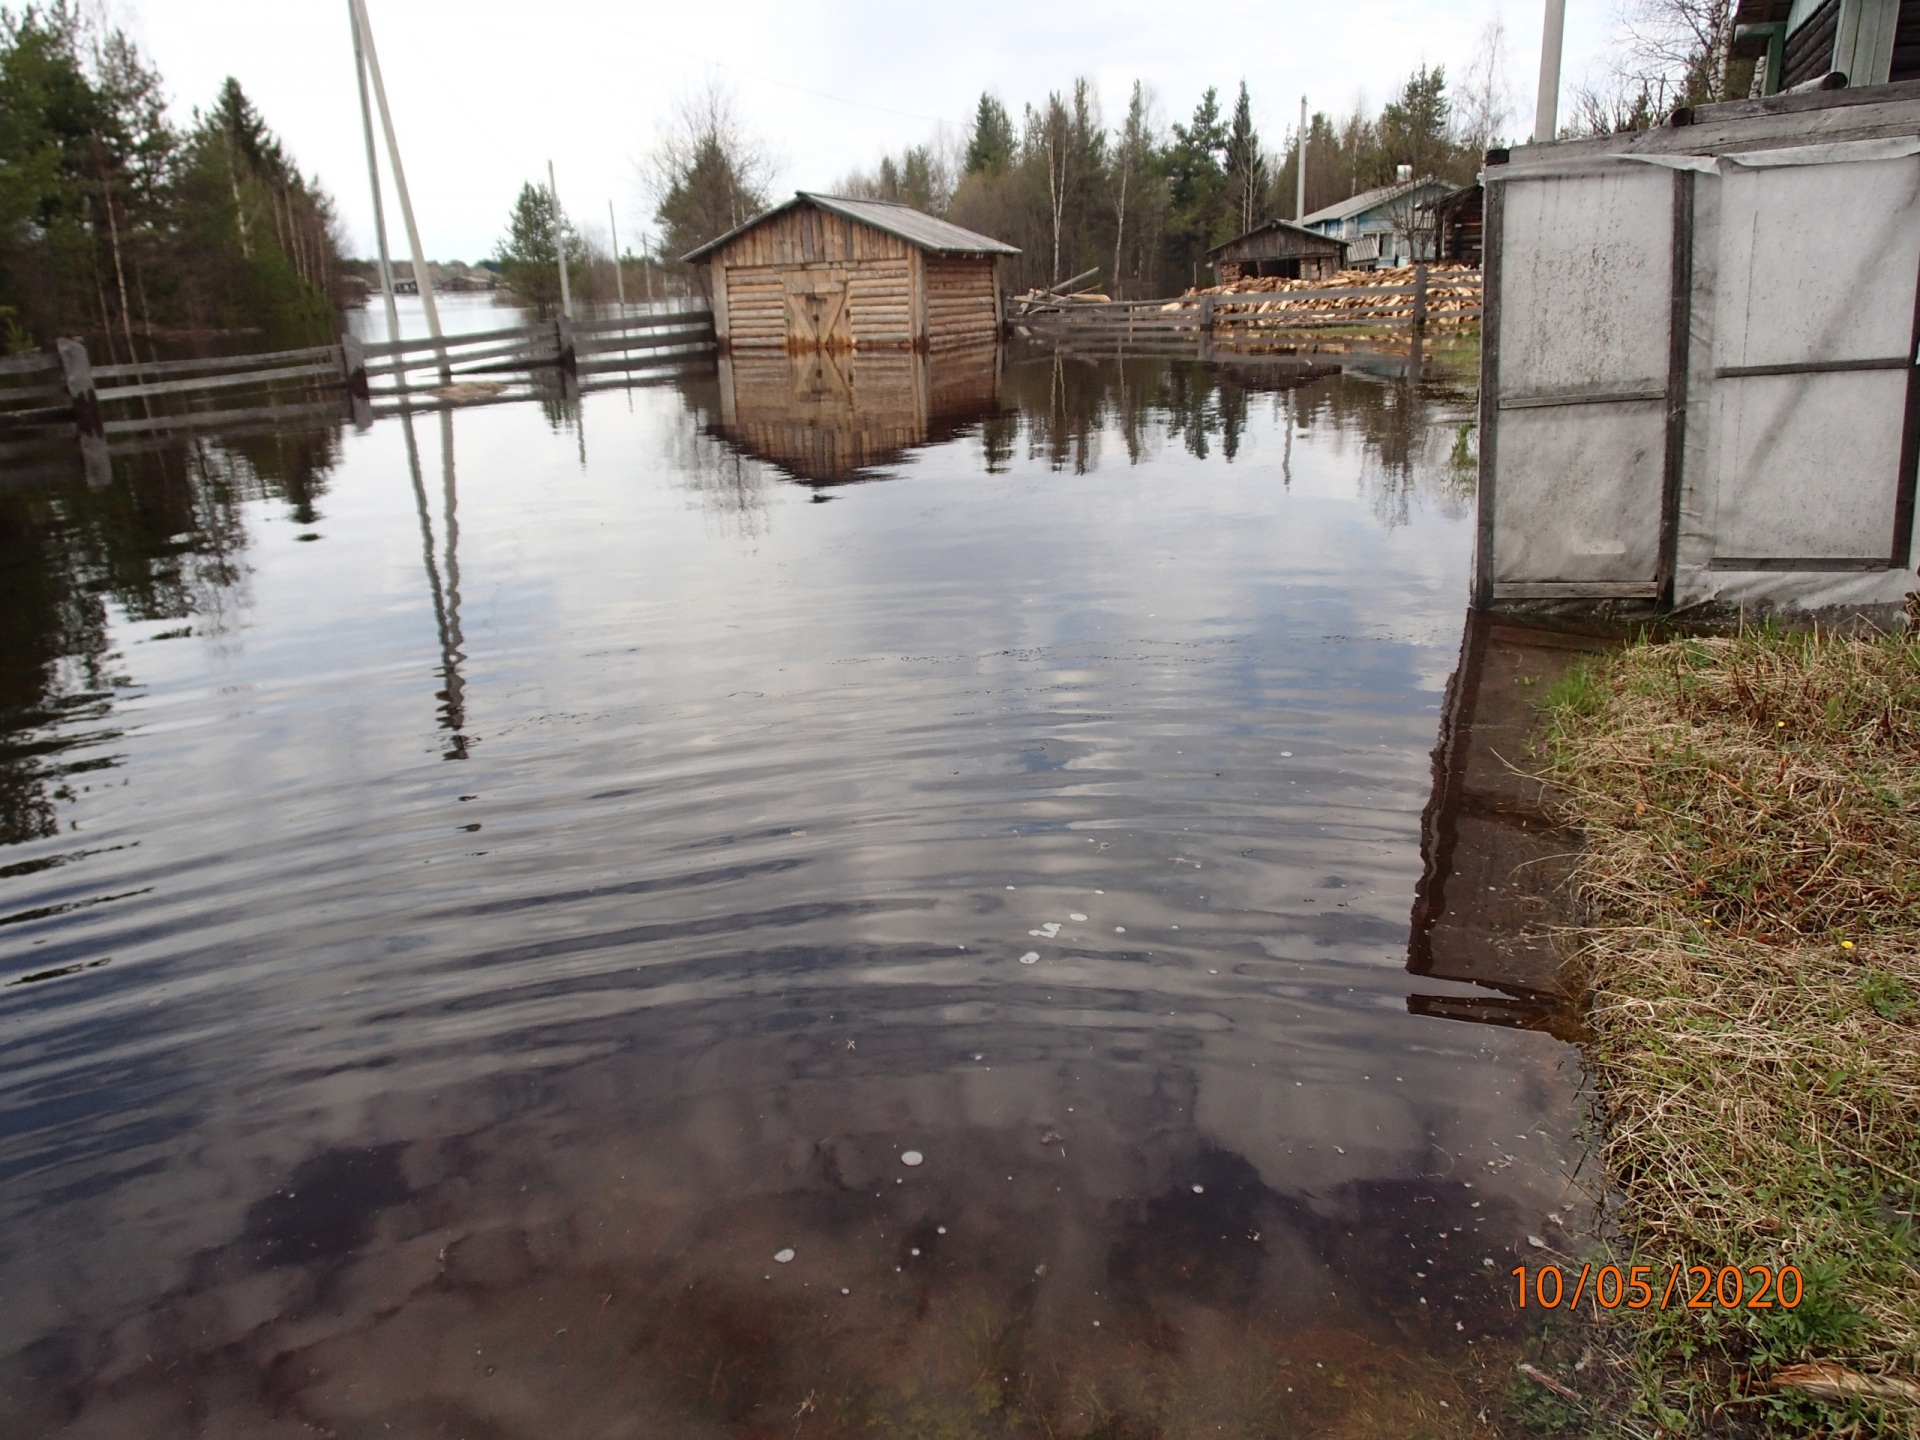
point(50, 395)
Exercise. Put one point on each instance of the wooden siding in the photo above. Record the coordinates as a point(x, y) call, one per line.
point(963, 305)
point(898, 297)
point(805, 236)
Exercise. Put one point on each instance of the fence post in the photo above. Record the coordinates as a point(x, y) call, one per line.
point(353, 370)
point(77, 371)
point(563, 336)
point(1419, 298)
point(353, 366)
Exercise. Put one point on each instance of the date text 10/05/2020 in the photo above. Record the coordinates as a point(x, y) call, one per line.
point(1731, 1287)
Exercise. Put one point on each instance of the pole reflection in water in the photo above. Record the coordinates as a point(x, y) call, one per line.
point(446, 599)
point(931, 963)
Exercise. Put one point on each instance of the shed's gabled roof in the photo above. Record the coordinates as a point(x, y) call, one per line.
point(1370, 200)
point(916, 227)
point(1300, 230)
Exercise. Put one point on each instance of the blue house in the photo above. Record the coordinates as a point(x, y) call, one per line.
point(1385, 226)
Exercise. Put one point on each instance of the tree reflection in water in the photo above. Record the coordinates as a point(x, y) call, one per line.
point(164, 541)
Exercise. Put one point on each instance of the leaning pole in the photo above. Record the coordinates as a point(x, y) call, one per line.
point(373, 176)
point(420, 272)
point(560, 243)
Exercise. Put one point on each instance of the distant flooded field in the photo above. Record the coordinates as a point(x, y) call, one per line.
point(836, 897)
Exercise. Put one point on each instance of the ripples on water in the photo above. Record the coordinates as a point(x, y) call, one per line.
point(475, 890)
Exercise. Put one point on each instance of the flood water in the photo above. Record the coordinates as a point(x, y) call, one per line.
point(817, 900)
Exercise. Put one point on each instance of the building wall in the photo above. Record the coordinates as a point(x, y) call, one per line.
point(1697, 386)
point(896, 296)
point(963, 301)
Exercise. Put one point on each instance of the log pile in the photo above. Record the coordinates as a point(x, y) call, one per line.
point(1450, 303)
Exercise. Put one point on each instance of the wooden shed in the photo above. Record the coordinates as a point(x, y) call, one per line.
point(826, 273)
point(1278, 248)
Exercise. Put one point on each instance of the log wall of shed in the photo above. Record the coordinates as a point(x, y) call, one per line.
point(898, 297)
point(963, 303)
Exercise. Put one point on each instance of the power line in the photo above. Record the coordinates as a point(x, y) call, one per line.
point(806, 90)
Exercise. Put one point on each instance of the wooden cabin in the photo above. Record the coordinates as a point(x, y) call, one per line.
point(825, 419)
point(826, 273)
point(1278, 248)
point(1456, 224)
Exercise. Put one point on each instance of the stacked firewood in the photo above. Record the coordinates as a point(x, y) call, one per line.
point(1446, 297)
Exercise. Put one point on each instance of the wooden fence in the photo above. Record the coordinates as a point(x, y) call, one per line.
point(60, 395)
point(1449, 300)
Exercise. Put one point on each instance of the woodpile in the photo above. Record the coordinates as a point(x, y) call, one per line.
point(1450, 302)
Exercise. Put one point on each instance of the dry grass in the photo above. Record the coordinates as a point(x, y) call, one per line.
point(1751, 807)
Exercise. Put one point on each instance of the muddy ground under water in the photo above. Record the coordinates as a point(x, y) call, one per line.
point(927, 898)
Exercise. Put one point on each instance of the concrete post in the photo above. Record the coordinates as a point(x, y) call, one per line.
point(1546, 108)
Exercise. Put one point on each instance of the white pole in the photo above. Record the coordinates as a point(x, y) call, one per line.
point(560, 244)
point(420, 273)
point(619, 280)
point(1546, 109)
point(1300, 178)
point(373, 177)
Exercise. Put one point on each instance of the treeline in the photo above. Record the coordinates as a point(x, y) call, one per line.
point(1144, 203)
point(141, 236)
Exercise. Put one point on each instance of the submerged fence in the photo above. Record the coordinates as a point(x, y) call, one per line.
point(1442, 300)
point(60, 395)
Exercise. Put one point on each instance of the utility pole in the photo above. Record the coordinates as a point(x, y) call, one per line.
point(373, 175)
point(560, 244)
point(619, 280)
point(1546, 109)
point(1300, 176)
point(420, 272)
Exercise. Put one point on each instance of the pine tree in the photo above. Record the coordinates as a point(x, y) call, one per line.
point(526, 254)
point(990, 148)
point(1197, 181)
point(1246, 167)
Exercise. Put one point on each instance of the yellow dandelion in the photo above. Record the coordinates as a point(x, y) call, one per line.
point(1846, 944)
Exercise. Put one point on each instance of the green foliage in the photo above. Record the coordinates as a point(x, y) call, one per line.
point(707, 176)
point(1146, 204)
point(1888, 996)
point(1245, 170)
point(526, 255)
point(115, 225)
point(1197, 184)
point(990, 148)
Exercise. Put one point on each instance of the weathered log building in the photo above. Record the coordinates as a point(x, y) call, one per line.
point(822, 272)
point(1278, 248)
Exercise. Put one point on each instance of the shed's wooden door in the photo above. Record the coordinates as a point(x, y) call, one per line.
point(817, 316)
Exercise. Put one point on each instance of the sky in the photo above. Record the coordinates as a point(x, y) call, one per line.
point(485, 93)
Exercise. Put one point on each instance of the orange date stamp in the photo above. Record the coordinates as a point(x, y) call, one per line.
point(1679, 1287)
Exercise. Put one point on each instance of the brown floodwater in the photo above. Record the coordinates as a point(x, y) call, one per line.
point(842, 897)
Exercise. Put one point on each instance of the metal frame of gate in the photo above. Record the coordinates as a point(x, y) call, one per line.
point(1604, 403)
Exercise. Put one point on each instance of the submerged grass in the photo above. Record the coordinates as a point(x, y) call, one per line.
point(1751, 881)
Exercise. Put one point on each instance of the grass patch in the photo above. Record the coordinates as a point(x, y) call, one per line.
point(1751, 808)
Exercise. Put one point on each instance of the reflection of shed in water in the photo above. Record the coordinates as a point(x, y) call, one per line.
point(825, 417)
